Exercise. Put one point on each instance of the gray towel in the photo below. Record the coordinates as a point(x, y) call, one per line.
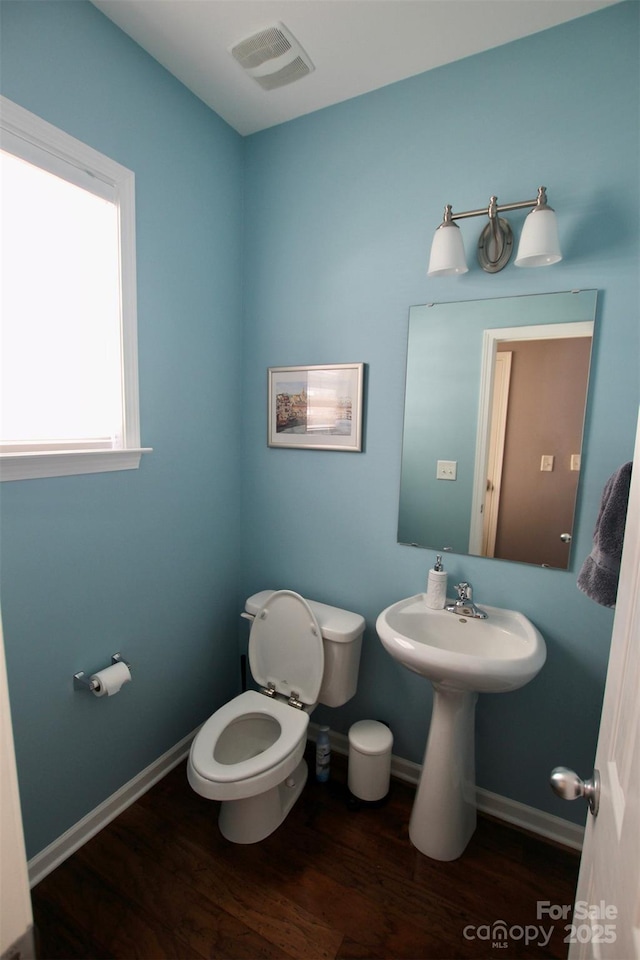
point(600, 571)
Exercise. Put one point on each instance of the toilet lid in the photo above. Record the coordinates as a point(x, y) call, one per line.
point(285, 647)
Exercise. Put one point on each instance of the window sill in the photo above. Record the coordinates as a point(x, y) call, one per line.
point(34, 466)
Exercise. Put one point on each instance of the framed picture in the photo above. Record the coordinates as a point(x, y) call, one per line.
point(318, 408)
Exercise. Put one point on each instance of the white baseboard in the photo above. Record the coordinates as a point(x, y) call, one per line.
point(529, 818)
point(502, 808)
point(519, 814)
point(82, 831)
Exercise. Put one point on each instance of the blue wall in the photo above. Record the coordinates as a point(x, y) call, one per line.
point(342, 205)
point(339, 209)
point(147, 561)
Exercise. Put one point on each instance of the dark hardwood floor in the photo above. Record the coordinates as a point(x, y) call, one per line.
point(160, 882)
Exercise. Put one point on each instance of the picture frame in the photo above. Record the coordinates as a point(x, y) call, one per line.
point(316, 407)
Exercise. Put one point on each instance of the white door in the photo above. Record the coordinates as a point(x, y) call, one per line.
point(497, 434)
point(16, 919)
point(606, 917)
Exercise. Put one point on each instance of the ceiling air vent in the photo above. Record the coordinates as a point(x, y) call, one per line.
point(273, 57)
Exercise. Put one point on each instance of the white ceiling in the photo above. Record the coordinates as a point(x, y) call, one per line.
point(355, 45)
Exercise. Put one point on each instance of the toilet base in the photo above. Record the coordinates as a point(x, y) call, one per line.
point(253, 818)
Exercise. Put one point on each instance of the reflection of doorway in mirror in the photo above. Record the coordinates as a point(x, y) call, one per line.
point(545, 419)
point(498, 430)
point(529, 441)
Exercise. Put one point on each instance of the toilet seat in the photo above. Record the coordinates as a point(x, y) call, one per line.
point(285, 647)
point(292, 723)
point(249, 754)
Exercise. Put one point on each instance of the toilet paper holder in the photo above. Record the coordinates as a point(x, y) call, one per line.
point(82, 682)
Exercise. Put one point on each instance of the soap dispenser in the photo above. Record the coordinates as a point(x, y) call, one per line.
point(436, 595)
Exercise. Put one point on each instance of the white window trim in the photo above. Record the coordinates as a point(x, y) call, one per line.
point(110, 178)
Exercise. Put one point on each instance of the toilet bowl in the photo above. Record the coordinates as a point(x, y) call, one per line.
point(249, 753)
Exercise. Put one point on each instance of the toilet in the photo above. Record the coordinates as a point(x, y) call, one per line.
point(249, 754)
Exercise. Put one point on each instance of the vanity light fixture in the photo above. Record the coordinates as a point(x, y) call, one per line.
point(539, 245)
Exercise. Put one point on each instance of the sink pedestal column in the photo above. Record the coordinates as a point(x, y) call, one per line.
point(443, 818)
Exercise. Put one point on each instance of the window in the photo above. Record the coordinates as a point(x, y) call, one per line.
point(69, 382)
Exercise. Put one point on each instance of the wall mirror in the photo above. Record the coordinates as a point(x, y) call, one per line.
point(495, 405)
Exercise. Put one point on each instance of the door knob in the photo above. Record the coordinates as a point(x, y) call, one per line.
point(568, 785)
point(565, 537)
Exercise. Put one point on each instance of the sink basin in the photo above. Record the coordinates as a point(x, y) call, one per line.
point(501, 653)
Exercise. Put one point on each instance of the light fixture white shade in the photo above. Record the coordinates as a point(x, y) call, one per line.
point(447, 252)
point(539, 245)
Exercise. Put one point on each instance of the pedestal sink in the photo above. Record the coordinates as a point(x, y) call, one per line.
point(462, 657)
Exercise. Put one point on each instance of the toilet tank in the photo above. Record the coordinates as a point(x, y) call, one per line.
point(342, 642)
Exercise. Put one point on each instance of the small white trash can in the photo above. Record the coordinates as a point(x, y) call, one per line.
point(370, 744)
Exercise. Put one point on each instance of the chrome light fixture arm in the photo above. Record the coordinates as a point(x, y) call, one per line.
point(492, 210)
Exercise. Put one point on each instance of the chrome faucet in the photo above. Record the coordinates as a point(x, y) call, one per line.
point(464, 605)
